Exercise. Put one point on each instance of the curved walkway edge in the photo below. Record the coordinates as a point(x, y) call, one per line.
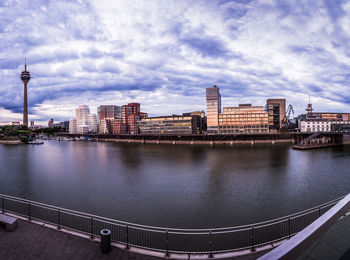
point(38, 240)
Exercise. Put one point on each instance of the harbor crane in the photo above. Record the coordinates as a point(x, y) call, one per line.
point(286, 123)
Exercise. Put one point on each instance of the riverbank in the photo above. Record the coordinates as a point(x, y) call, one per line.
point(217, 139)
point(195, 142)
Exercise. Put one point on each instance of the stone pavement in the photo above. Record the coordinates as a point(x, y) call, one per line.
point(33, 241)
point(334, 244)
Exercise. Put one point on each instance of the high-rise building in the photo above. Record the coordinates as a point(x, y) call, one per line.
point(131, 108)
point(106, 115)
point(213, 98)
point(51, 122)
point(118, 127)
point(25, 77)
point(276, 109)
point(84, 122)
point(131, 115)
point(92, 123)
point(32, 123)
point(73, 126)
point(81, 114)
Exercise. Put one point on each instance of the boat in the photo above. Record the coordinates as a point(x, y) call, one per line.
point(35, 142)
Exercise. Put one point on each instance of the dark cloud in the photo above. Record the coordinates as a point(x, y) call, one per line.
point(335, 8)
point(250, 49)
point(206, 46)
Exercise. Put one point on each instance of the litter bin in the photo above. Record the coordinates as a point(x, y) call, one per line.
point(105, 240)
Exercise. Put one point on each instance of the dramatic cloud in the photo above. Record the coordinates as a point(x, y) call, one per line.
point(165, 53)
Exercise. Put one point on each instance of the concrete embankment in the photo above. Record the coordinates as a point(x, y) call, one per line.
point(218, 139)
point(236, 142)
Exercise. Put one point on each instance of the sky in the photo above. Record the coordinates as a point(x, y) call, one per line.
point(164, 53)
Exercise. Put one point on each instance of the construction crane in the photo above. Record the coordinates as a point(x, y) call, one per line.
point(286, 124)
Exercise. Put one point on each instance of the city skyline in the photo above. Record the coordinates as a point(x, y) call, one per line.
point(167, 55)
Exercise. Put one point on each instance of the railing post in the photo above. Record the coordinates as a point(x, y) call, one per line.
point(319, 211)
point(29, 218)
point(253, 239)
point(127, 238)
point(92, 228)
point(167, 243)
point(58, 219)
point(210, 245)
point(289, 228)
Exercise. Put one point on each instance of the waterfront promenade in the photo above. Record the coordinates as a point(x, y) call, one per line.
point(32, 241)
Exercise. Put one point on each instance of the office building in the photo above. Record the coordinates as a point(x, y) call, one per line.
point(106, 116)
point(73, 126)
point(84, 122)
point(324, 121)
point(243, 119)
point(131, 116)
point(201, 123)
point(171, 125)
point(50, 123)
point(213, 105)
point(118, 127)
point(276, 109)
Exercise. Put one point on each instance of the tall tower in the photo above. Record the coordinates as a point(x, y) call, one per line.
point(25, 77)
point(213, 109)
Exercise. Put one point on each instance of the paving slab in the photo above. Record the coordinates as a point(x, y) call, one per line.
point(33, 241)
point(334, 244)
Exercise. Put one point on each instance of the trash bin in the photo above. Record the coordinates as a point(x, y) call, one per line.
point(105, 240)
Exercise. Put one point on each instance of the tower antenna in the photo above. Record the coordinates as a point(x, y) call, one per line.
point(25, 64)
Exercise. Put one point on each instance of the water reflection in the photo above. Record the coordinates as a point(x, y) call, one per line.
point(175, 185)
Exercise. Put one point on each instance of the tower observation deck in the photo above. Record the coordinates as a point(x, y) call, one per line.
point(25, 77)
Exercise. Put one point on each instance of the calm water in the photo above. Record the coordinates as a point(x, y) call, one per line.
point(176, 186)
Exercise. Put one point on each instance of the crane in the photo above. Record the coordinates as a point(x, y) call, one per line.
point(285, 121)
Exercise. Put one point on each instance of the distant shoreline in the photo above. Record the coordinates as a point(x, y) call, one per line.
point(10, 142)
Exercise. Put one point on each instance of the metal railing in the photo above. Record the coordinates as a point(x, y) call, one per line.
point(168, 240)
point(295, 246)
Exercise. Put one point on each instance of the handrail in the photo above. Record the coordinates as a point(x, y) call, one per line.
point(295, 246)
point(258, 224)
point(194, 241)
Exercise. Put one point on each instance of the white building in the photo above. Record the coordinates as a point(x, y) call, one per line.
point(84, 122)
point(73, 126)
point(311, 126)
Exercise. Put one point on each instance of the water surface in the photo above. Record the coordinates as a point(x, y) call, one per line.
point(175, 185)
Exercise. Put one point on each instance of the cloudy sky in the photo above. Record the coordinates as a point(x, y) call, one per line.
point(164, 54)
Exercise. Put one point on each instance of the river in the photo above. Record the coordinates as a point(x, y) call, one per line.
point(179, 186)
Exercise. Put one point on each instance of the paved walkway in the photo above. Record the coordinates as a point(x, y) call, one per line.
point(33, 241)
point(334, 244)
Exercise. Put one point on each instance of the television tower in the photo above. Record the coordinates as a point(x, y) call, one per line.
point(25, 77)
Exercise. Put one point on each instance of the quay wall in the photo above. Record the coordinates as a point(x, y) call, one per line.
point(191, 139)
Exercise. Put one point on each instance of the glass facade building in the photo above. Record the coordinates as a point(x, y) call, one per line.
point(213, 104)
point(276, 109)
point(178, 125)
point(243, 119)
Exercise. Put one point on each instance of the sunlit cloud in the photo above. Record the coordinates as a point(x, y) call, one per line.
point(165, 53)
